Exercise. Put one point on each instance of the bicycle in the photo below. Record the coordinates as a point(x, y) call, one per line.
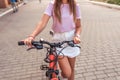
point(51, 57)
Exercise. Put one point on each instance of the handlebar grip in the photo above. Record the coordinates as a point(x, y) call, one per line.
point(20, 43)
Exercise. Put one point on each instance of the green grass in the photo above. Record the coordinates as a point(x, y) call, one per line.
point(114, 1)
point(110, 1)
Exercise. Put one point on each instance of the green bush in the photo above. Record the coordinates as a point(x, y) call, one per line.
point(110, 1)
point(100, 0)
point(114, 1)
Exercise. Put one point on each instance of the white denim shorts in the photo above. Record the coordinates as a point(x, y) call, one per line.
point(68, 51)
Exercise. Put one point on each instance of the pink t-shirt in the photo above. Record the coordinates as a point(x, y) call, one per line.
point(67, 22)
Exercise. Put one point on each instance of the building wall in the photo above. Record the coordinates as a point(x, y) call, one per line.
point(4, 3)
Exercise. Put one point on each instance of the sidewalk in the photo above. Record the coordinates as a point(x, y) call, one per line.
point(100, 46)
point(113, 6)
point(4, 11)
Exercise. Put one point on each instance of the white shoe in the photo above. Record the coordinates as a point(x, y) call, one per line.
point(64, 79)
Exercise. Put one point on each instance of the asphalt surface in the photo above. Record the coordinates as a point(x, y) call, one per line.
point(100, 52)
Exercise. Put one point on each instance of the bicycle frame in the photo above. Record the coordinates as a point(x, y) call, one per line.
point(53, 71)
point(53, 66)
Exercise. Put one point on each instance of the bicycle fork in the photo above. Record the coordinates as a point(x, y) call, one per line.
point(53, 67)
point(52, 71)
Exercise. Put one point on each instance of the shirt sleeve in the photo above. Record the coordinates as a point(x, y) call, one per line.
point(49, 9)
point(78, 12)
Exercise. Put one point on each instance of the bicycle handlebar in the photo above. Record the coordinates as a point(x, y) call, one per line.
point(20, 43)
point(39, 44)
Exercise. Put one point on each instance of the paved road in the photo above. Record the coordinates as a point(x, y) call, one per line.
point(100, 53)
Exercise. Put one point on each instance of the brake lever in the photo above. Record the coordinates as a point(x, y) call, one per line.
point(71, 44)
point(78, 46)
point(30, 48)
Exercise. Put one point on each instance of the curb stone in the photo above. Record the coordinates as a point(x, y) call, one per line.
point(113, 6)
point(9, 10)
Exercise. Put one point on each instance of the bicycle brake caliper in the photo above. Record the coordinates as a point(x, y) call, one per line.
point(44, 67)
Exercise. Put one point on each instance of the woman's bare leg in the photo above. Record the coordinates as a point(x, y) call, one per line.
point(72, 65)
point(65, 67)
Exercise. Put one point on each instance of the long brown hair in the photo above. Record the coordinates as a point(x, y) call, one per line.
point(72, 7)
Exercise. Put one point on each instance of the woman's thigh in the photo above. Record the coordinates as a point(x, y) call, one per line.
point(72, 62)
point(65, 67)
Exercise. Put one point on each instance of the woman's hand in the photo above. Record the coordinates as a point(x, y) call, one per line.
point(76, 39)
point(28, 41)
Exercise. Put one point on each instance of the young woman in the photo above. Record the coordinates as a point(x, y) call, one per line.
point(66, 26)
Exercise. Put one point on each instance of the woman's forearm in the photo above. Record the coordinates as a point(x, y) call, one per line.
point(41, 25)
point(38, 29)
point(78, 29)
